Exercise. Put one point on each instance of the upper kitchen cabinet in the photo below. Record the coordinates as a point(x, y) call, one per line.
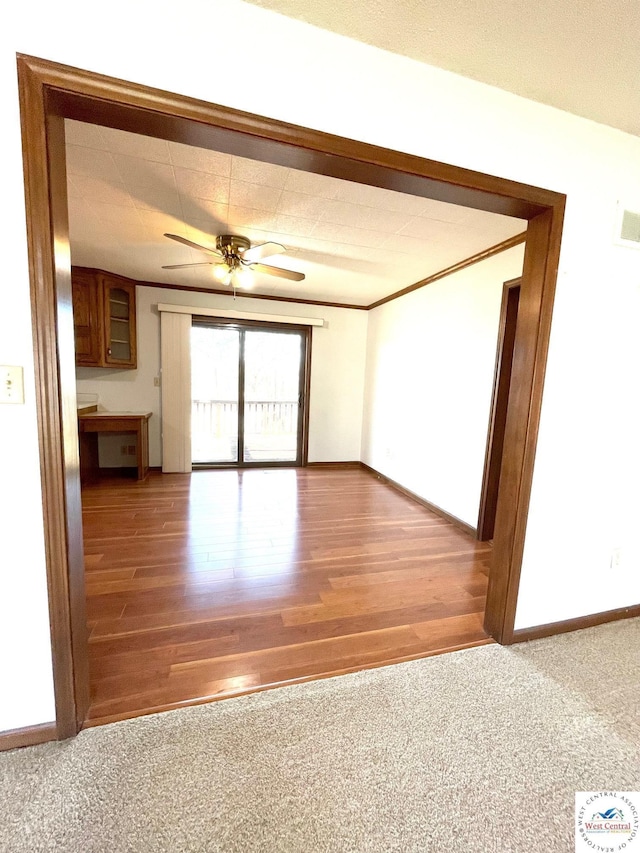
point(104, 318)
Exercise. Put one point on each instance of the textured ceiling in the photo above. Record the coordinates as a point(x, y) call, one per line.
point(354, 243)
point(582, 56)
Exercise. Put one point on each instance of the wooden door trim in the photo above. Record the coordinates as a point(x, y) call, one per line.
point(54, 364)
point(542, 250)
point(495, 431)
point(27, 736)
point(51, 92)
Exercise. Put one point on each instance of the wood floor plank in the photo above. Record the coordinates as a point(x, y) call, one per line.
point(457, 565)
point(131, 582)
point(159, 618)
point(221, 582)
point(119, 663)
point(301, 660)
point(455, 629)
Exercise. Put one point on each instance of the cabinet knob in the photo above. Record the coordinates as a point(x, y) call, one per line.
point(109, 351)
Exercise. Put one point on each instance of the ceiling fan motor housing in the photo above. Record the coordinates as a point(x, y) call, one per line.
point(232, 245)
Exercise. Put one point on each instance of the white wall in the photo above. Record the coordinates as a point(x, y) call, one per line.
point(337, 372)
point(26, 684)
point(587, 461)
point(430, 367)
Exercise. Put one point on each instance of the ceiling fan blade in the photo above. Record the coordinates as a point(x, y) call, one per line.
point(184, 266)
point(262, 250)
point(193, 245)
point(277, 271)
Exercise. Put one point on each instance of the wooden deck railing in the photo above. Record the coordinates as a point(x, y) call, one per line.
point(262, 417)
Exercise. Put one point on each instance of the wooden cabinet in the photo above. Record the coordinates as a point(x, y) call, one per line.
point(104, 319)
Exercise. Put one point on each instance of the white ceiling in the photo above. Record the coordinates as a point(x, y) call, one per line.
point(582, 56)
point(354, 243)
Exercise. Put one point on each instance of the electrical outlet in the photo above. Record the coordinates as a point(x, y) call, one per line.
point(11, 384)
point(123, 450)
point(131, 449)
point(616, 558)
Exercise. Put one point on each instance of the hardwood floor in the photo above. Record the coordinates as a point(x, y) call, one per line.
point(218, 583)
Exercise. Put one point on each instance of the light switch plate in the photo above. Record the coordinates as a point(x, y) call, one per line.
point(11, 384)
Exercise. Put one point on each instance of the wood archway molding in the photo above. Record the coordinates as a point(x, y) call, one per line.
point(50, 93)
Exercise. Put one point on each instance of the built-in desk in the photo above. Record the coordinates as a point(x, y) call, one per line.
point(90, 424)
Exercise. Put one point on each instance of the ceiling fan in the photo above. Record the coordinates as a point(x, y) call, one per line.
point(236, 258)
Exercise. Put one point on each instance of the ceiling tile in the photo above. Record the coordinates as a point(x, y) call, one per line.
point(91, 162)
point(159, 223)
point(215, 214)
point(358, 216)
point(115, 213)
point(478, 220)
point(246, 217)
point(81, 133)
point(202, 185)
point(200, 159)
point(333, 249)
point(101, 190)
point(401, 244)
point(311, 184)
point(137, 172)
point(301, 205)
point(82, 217)
point(379, 198)
point(431, 229)
point(156, 198)
point(73, 192)
point(128, 234)
point(267, 174)
point(254, 196)
point(135, 145)
point(443, 212)
point(352, 236)
point(295, 226)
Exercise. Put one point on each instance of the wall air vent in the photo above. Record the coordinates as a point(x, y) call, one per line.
point(628, 227)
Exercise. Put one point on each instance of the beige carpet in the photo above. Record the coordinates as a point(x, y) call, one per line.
point(480, 750)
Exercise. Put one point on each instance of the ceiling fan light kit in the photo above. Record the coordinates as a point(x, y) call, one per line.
point(237, 259)
point(238, 275)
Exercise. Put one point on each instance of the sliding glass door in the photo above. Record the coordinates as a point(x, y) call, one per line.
point(272, 368)
point(248, 394)
point(215, 373)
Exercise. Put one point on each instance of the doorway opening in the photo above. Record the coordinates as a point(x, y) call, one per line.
point(50, 93)
point(248, 390)
point(499, 406)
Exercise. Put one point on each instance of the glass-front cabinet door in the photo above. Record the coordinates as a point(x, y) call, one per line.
point(119, 323)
